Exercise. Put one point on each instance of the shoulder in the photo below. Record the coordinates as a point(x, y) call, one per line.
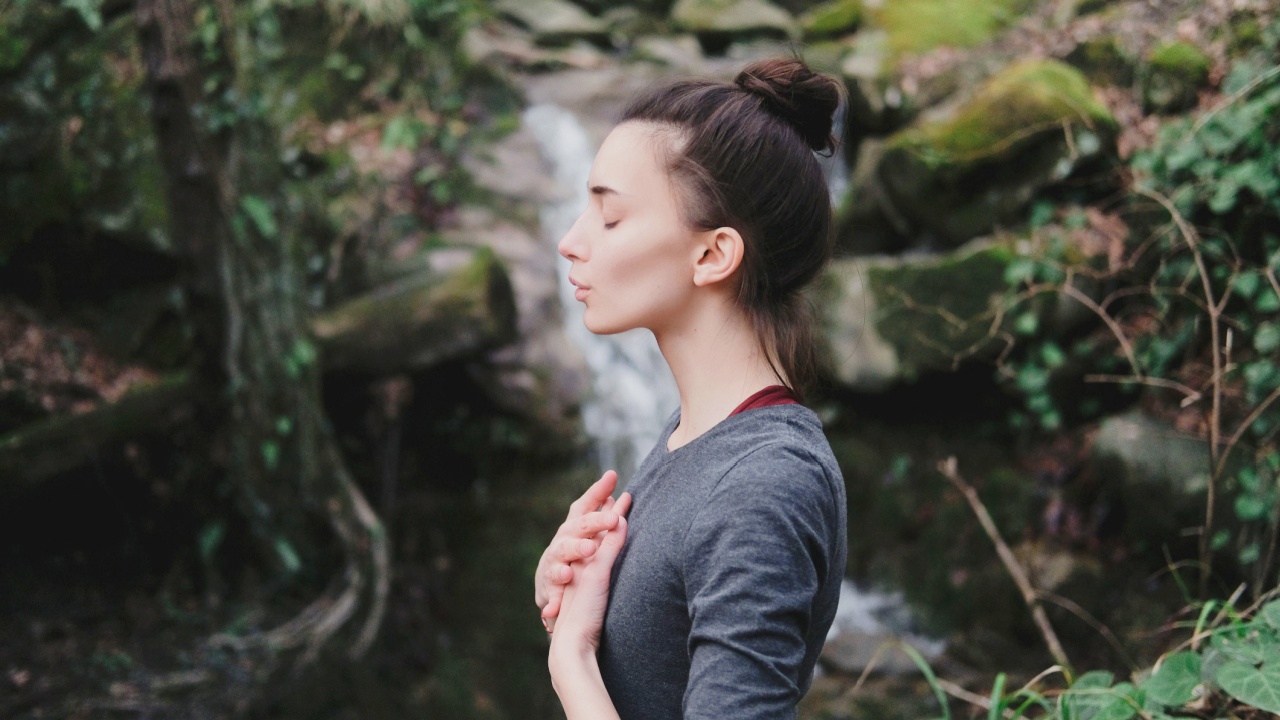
point(786, 454)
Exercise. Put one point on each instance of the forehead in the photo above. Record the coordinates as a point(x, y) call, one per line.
point(628, 160)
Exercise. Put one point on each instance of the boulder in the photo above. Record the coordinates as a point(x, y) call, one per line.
point(831, 19)
point(1173, 77)
point(886, 320)
point(917, 26)
point(680, 51)
point(1103, 61)
point(1146, 464)
point(867, 629)
point(554, 22)
point(719, 22)
point(979, 166)
point(877, 103)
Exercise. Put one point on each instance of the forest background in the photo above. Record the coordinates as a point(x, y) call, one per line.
point(289, 403)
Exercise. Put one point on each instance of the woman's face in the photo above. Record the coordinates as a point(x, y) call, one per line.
point(632, 256)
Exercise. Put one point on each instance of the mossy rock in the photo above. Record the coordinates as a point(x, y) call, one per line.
point(1032, 125)
point(723, 21)
point(831, 19)
point(887, 320)
point(1103, 61)
point(1175, 73)
point(916, 26)
point(554, 22)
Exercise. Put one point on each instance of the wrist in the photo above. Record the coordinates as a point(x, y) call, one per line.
point(570, 662)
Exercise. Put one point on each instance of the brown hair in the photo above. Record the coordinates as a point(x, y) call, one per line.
point(743, 157)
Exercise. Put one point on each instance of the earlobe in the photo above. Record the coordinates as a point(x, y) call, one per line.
point(720, 255)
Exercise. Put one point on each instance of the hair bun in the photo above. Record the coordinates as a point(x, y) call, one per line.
point(791, 90)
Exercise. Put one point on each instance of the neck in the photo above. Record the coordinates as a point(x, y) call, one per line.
point(717, 361)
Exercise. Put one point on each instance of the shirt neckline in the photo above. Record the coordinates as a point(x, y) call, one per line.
point(728, 422)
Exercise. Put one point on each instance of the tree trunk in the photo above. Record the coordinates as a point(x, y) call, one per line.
point(244, 288)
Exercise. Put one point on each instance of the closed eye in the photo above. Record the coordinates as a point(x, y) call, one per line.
point(611, 225)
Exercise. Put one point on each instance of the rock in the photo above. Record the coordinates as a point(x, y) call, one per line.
point(916, 26)
point(1162, 473)
point(507, 46)
point(831, 19)
point(459, 303)
point(1103, 61)
point(680, 51)
point(877, 104)
point(1173, 77)
point(865, 623)
point(554, 22)
point(718, 22)
point(1032, 125)
point(886, 320)
point(866, 221)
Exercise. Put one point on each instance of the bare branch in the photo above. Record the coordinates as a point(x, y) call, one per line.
point(949, 470)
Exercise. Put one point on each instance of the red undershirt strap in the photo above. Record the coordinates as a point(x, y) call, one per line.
point(772, 395)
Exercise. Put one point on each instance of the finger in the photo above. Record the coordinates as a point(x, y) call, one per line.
point(591, 524)
point(574, 549)
point(608, 504)
point(623, 504)
point(551, 611)
point(595, 495)
point(612, 545)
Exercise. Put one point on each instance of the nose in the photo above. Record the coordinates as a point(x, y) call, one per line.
point(572, 245)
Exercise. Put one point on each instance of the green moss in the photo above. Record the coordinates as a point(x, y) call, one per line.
point(931, 312)
point(1022, 100)
point(1183, 60)
point(831, 19)
point(918, 25)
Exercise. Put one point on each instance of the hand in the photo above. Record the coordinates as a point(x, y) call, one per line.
point(578, 537)
point(585, 600)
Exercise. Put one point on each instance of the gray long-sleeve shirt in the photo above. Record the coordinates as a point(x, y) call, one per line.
point(728, 582)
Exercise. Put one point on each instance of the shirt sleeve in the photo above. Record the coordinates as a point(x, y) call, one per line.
point(754, 558)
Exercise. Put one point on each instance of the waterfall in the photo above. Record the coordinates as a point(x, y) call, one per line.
point(632, 391)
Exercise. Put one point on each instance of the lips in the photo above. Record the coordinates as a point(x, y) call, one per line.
point(581, 290)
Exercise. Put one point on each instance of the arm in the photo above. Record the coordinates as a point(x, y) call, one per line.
point(572, 659)
point(754, 559)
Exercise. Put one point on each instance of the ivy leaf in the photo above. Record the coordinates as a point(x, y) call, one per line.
point(259, 211)
point(1270, 614)
point(1176, 680)
point(1251, 507)
point(1259, 687)
point(1267, 338)
point(88, 10)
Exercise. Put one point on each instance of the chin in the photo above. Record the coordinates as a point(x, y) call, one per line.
point(599, 326)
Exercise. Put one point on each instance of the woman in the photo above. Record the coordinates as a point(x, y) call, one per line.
point(708, 215)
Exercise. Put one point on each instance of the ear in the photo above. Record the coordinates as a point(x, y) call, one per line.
point(719, 253)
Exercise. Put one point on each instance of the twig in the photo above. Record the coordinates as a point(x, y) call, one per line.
point(1073, 293)
point(1248, 88)
point(1214, 311)
point(1191, 394)
point(1029, 595)
point(1076, 609)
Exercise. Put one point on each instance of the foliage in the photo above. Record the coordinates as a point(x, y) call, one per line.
point(1193, 312)
point(1225, 669)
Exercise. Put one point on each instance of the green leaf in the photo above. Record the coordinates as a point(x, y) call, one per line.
point(288, 556)
point(1249, 553)
point(1270, 614)
point(1251, 507)
point(1026, 323)
point(1259, 687)
point(1032, 379)
point(1176, 680)
point(270, 455)
point(259, 212)
point(1220, 539)
point(1052, 355)
point(1247, 284)
point(1266, 339)
point(210, 538)
point(90, 11)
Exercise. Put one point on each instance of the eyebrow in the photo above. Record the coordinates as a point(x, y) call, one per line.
point(603, 190)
